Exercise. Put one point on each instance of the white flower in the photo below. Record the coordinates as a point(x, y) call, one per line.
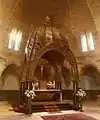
point(26, 92)
point(30, 94)
point(81, 93)
point(31, 91)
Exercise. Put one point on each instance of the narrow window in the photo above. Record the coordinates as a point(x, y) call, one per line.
point(18, 41)
point(84, 43)
point(12, 38)
point(90, 41)
point(15, 39)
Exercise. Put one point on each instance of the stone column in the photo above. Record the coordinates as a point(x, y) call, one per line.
point(75, 99)
point(21, 101)
point(22, 91)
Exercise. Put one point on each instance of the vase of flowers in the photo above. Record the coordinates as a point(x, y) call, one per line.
point(81, 95)
point(30, 94)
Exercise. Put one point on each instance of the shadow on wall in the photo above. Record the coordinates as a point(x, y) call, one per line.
point(90, 81)
point(67, 84)
point(9, 84)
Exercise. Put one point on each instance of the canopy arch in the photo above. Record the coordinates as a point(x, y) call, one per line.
point(44, 42)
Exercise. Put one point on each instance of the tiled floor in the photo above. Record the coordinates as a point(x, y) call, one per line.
point(91, 108)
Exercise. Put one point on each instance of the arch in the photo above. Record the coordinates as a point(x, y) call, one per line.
point(89, 80)
point(60, 49)
point(9, 78)
point(92, 72)
point(43, 51)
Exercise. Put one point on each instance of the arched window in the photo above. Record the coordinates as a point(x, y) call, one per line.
point(90, 41)
point(87, 42)
point(12, 38)
point(15, 39)
point(18, 40)
point(84, 43)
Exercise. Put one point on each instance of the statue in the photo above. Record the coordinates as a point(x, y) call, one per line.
point(35, 85)
point(50, 85)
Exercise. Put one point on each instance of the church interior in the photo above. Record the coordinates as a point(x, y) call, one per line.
point(49, 51)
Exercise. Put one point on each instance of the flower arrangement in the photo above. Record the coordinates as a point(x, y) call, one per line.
point(81, 93)
point(30, 94)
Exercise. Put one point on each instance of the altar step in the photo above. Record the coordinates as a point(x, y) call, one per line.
point(51, 106)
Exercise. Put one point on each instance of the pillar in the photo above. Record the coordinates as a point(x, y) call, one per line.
point(22, 91)
point(75, 99)
point(59, 69)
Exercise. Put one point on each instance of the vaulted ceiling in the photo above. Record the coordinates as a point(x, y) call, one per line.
point(29, 11)
point(34, 11)
point(71, 17)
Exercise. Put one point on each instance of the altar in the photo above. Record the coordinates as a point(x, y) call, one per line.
point(48, 95)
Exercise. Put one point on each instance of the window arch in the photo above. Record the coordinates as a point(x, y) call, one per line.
point(90, 41)
point(87, 42)
point(18, 40)
point(15, 39)
point(84, 43)
point(12, 38)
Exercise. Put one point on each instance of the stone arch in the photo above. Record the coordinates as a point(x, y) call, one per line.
point(90, 77)
point(58, 48)
point(89, 80)
point(43, 51)
point(9, 78)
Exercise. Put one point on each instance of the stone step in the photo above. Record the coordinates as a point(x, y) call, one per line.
point(51, 107)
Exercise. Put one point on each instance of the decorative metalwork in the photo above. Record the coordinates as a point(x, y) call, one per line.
point(46, 37)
